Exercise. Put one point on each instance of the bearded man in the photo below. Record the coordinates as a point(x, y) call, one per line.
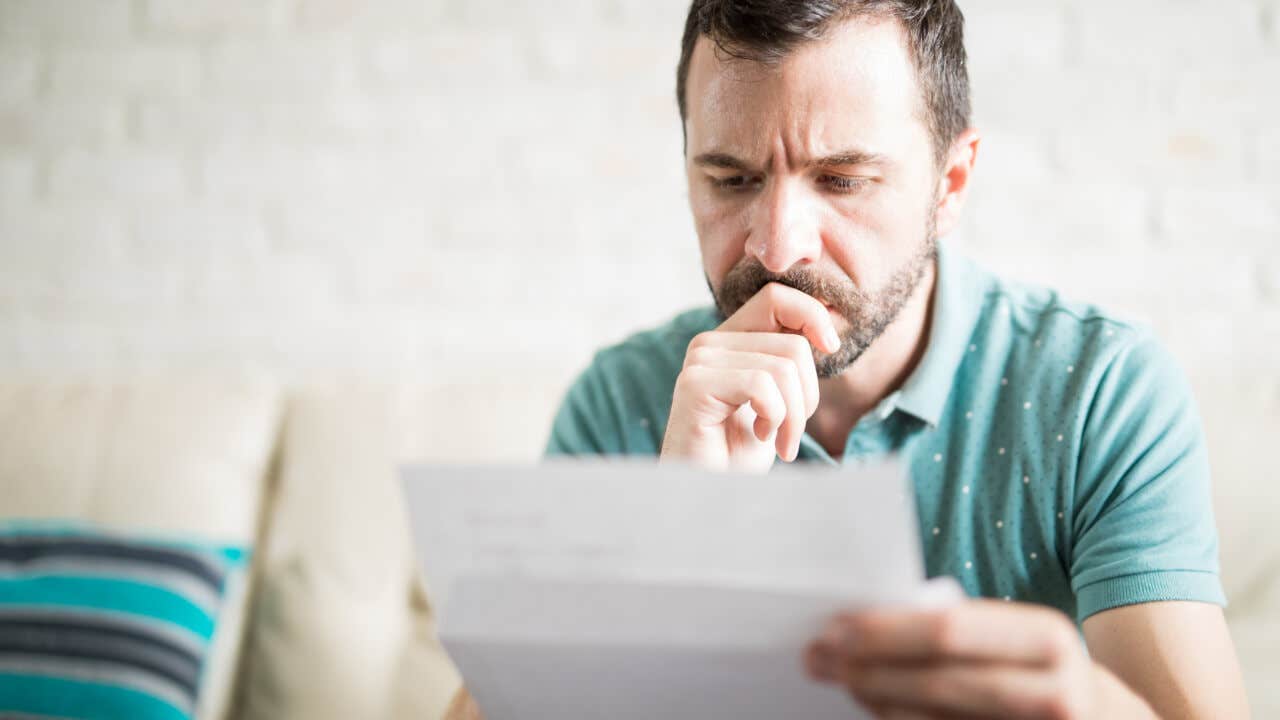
point(1056, 454)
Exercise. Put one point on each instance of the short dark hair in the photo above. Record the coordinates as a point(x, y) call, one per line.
point(767, 30)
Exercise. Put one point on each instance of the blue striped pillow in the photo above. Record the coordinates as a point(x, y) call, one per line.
point(97, 624)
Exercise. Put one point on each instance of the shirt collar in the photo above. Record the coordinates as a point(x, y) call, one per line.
point(957, 304)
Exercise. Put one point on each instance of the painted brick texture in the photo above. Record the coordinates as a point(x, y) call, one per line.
point(454, 190)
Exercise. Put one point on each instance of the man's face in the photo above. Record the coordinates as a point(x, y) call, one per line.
point(817, 172)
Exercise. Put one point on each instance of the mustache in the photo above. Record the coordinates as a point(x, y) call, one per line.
point(746, 279)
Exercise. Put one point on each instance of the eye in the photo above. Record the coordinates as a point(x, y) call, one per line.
point(841, 183)
point(734, 183)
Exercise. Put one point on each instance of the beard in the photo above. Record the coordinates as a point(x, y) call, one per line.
point(866, 315)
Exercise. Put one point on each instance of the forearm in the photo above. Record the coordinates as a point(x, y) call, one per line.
point(1117, 700)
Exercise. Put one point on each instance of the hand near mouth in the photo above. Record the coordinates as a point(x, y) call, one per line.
point(748, 388)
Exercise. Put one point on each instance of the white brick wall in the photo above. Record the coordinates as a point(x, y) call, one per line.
point(453, 190)
point(67, 20)
point(476, 195)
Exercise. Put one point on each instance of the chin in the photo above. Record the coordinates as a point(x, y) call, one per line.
point(830, 366)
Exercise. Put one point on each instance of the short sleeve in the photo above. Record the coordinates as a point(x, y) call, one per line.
point(1143, 525)
point(584, 424)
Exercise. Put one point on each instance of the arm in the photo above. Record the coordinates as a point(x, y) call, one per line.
point(981, 658)
point(1143, 560)
point(986, 658)
point(1177, 655)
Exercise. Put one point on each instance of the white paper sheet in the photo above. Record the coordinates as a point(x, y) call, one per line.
point(613, 590)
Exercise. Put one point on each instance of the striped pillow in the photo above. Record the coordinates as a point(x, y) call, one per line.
point(95, 624)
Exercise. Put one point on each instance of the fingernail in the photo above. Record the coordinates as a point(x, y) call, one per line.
point(833, 340)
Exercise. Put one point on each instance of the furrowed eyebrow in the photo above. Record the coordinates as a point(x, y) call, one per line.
point(841, 159)
point(720, 160)
point(849, 157)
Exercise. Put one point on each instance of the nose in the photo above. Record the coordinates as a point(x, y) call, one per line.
point(783, 231)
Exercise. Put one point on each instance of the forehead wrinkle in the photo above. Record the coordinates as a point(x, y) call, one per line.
point(783, 113)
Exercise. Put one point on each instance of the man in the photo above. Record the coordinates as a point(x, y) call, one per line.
point(1058, 461)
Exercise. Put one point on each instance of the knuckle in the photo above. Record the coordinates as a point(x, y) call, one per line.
point(687, 381)
point(702, 339)
point(1065, 701)
point(944, 632)
point(1060, 642)
point(697, 356)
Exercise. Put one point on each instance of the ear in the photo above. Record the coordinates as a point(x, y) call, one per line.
point(953, 183)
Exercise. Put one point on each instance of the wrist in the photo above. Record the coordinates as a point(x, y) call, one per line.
point(689, 446)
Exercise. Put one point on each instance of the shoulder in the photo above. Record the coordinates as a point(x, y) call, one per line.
point(1099, 388)
point(1069, 344)
point(1060, 323)
point(1017, 334)
point(1068, 375)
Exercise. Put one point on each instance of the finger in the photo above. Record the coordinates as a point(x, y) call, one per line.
point(785, 375)
point(778, 307)
point(897, 713)
point(824, 666)
point(974, 630)
point(967, 689)
point(718, 393)
point(794, 348)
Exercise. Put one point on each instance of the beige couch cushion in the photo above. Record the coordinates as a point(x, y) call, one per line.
point(340, 627)
point(174, 457)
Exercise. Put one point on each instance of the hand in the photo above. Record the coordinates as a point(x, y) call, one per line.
point(748, 387)
point(463, 707)
point(981, 658)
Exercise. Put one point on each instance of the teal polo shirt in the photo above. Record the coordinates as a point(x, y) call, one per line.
point(1056, 452)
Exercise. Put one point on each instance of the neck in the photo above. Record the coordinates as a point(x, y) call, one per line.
point(881, 370)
